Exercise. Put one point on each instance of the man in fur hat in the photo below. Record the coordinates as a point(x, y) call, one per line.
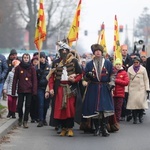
point(98, 102)
point(65, 74)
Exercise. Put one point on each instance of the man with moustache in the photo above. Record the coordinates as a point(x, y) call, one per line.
point(64, 76)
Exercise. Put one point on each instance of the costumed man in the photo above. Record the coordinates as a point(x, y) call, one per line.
point(98, 102)
point(64, 76)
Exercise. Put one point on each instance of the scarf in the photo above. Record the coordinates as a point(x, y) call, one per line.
point(136, 68)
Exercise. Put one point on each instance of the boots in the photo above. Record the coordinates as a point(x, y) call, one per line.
point(19, 122)
point(140, 116)
point(9, 114)
point(70, 132)
point(97, 127)
point(13, 115)
point(104, 123)
point(134, 114)
point(25, 124)
point(63, 132)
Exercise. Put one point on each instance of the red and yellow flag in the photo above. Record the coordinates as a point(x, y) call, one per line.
point(116, 48)
point(40, 32)
point(74, 29)
point(101, 39)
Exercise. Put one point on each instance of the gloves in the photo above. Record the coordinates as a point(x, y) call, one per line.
point(147, 94)
point(89, 75)
point(111, 87)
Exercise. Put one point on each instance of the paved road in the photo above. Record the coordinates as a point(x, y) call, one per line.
point(130, 137)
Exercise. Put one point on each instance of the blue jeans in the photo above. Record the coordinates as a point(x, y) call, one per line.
point(1, 88)
point(43, 104)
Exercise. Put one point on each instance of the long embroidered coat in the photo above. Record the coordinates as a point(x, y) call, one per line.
point(98, 96)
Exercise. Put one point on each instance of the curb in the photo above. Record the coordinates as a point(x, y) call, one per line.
point(6, 127)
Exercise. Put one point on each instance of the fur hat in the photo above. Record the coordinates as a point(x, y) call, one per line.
point(13, 51)
point(118, 61)
point(96, 47)
point(15, 63)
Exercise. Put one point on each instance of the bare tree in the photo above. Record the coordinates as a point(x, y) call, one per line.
point(143, 26)
point(10, 30)
point(58, 16)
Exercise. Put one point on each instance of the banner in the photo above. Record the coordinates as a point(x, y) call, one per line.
point(74, 29)
point(40, 32)
point(116, 48)
point(102, 40)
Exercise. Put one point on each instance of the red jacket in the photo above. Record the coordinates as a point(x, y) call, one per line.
point(121, 81)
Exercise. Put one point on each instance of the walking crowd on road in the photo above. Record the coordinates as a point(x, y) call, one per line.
point(96, 93)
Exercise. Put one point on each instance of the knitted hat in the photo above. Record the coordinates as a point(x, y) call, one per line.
point(15, 63)
point(13, 51)
point(42, 54)
point(136, 58)
point(96, 47)
point(33, 58)
point(118, 61)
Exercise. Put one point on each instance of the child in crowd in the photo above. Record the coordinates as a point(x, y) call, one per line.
point(12, 99)
point(121, 81)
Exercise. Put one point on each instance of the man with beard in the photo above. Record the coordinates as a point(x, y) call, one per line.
point(98, 102)
point(65, 74)
point(26, 80)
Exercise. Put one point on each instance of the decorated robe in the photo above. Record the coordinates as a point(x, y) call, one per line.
point(63, 109)
point(98, 97)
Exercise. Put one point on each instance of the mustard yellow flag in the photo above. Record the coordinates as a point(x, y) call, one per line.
point(101, 39)
point(40, 31)
point(116, 48)
point(74, 29)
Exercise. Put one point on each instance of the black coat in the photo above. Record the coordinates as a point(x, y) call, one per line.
point(3, 68)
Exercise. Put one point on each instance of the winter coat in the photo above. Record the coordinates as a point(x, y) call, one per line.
point(98, 97)
point(26, 79)
point(128, 62)
point(3, 68)
point(121, 81)
point(41, 75)
point(138, 85)
point(8, 83)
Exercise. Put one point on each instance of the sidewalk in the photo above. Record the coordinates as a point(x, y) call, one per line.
point(6, 124)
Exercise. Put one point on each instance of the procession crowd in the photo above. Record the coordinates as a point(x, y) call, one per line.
point(97, 94)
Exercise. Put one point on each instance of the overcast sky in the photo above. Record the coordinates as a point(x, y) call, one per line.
point(94, 12)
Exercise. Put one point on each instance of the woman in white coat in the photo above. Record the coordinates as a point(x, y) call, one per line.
point(138, 89)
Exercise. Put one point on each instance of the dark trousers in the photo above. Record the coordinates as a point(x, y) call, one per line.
point(21, 98)
point(34, 108)
point(125, 112)
point(67, 123)
point(43, 104)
